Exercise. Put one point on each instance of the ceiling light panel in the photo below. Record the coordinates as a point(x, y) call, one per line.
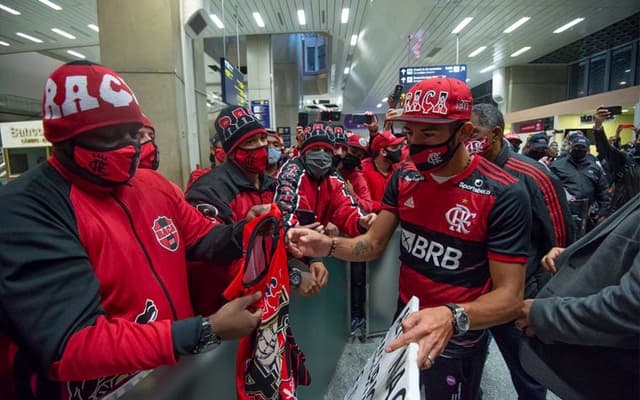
point(517, 24)
point(487, 69)
point(462, 25)
point(216, 21)
point(63, 33)
point(9, 10)
point(76, 54)
point(302, 20)
point(259, 20)
point(568, 25)
point(522, 50)
point(94, 27)
point(354, 40)
point(29, 37)
point(51, 4)
point(477, 51)
point(344, 18)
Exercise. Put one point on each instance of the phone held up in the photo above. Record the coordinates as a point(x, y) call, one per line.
point(306, 217)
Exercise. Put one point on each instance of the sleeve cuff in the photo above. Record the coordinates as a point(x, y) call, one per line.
point(185, 335)
point(507, 258)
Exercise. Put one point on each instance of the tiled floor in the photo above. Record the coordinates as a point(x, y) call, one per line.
point(496, 382)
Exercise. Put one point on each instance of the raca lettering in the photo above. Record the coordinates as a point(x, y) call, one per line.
point(77, 98)
point(429, 102)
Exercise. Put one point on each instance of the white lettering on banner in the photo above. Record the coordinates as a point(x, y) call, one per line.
point(121, 98)
point(431, 251)
point(392, 375)
point(51, 109)
point(76, 95)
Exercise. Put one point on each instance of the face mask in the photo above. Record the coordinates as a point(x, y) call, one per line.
point(536, 154)
point(478, 146)
point(318, 163)
point(115, 165)
point(335, 160)
point(432, 157)
point(274, 155)
point(394, 156)
point(149, 155)
point(578, 154)
point(351, 162)
point(252, 160)
point(220, 155)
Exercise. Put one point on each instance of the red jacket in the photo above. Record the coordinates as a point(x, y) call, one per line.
point(99, 283)
point(328, 198)
point(360, 187)
point(376, 181)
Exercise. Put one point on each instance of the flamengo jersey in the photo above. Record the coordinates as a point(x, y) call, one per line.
point(269, 363)
point(450, 231)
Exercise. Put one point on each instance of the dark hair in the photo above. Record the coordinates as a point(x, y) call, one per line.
point(489, 115)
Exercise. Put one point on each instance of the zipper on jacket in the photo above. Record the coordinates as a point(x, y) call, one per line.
point(146, 254)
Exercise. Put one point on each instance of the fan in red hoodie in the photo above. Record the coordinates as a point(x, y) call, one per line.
point(93, 252)
point(387, 155)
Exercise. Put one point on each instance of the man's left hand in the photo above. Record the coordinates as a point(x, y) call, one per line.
point(524, 322)
point(319, 273)
point(431, 328)
point(366, 221)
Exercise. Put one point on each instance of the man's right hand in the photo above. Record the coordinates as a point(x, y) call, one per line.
point(549, 260)
point(373, 126)
point(235, 320)
point(257, 211)
point(600, 116)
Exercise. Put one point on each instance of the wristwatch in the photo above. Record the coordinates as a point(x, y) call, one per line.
point(295, 277)
point(460, 319)
point(208, 338)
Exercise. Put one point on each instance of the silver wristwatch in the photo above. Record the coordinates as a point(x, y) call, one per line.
point(460, 319)
point(208, 338)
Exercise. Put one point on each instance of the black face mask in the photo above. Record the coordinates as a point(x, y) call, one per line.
point(350, 162)
point(336, 160)
point(394, 156)
point(536, 154)
point(578, 154)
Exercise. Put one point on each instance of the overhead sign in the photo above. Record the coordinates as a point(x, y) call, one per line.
point(390, 375)
point(261, 109)
point(529, 127)
point(285, 134)
point(234, 86)
point(23, 134)
point(409, 76)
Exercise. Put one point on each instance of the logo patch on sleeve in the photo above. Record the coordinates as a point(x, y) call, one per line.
point(166, 233)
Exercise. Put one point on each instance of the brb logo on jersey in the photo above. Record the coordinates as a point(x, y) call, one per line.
point(166, 233)
point(459, 218)
point(430, 251)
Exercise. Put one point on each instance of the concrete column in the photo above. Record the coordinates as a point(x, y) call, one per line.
point(144, 41)
point(287, 78)
point(534, 85)
point(260, 72)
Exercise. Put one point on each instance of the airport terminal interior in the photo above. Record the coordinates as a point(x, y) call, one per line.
point(541, 103)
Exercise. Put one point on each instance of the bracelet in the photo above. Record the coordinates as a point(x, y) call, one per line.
point(334, 244)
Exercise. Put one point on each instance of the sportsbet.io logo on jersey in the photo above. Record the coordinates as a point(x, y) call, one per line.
point(431, 251)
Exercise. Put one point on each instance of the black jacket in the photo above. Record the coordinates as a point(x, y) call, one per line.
point(551, 218)
point(583, 180)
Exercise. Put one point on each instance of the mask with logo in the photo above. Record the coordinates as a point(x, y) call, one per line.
point(149, 155)
point(116, 165)
point(318, 163)
point(274, 155)
point(350, 162)
point(394, 156)
point(252, 160)
point(536, 154)
point(432, 157)
point(578, 154)
point(477, 145)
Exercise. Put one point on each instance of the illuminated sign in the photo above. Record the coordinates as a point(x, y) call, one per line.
point(409, 76)
point(23, 134)
point(234, 86)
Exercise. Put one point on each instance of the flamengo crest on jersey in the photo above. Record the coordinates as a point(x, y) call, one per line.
point(166, 233)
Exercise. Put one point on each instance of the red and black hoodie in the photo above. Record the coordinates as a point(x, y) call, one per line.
point(93, 279)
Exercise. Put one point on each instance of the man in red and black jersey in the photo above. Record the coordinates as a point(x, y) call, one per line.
point(551, 227)
point(465, 229)
point(93, 252)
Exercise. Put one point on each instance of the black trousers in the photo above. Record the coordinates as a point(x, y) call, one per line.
point(358, 289)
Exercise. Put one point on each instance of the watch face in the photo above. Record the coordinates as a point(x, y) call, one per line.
point(295, 278)
point(462, 321)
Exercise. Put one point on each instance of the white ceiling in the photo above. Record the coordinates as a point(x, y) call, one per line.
point(383, 27)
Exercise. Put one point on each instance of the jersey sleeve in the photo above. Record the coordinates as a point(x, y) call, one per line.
point(345, 210)
point(203, 195)
point(286, 195)
point(361, 190)
point(509, 226)
point(390, 199)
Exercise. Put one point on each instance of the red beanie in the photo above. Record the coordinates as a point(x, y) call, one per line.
point(80, 97)
point(146, 122)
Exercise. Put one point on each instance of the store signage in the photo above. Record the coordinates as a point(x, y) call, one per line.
point(409, 76)
point(390, 375)
point(528, 127)
point(234, 87)
point(23, 134)
point(261, 109)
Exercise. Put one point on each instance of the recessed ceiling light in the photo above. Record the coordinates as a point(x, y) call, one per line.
point(308, 101)
point(9, 10)
point(517, 24)
point(623, 82)
point(258, 18)
point(76, 54)
point(94, 27)
point(28, 37)
point(384, 100)
point(51, 4)
point(522, 50)
point(217, 21)
point(627, 70)
point(345, 16)
point(569, 25)
point(477, 51)
point(625, 110)
point(354, 40)
point(487, 69)
point(4, 43)
point(63, 33)
point(302, 20)
point(461, 25)
point(378, 105)
point(346, 70)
